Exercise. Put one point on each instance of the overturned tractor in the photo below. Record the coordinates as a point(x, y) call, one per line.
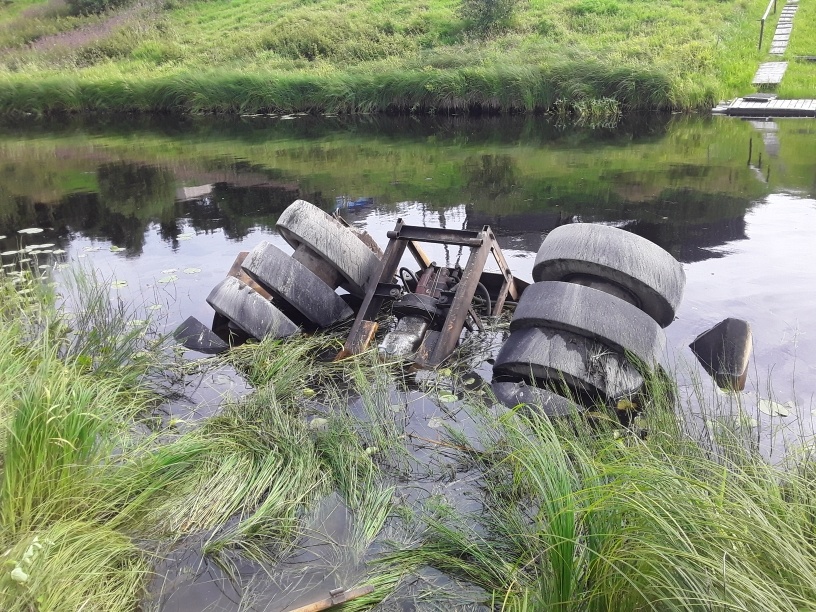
point(589, 329)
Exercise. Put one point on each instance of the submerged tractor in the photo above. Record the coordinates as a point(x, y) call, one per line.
point(587, 330)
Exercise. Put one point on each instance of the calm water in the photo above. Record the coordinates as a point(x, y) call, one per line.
point(732, 200)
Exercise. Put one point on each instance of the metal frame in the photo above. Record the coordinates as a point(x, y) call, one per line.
point(436, 346)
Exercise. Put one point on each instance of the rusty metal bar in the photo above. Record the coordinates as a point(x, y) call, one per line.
point(365, 325)
point(436, 235)
point(460, 307)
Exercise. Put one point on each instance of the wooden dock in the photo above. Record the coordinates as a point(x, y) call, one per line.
point(783, 28)
point(770, 73)
point(770, 108)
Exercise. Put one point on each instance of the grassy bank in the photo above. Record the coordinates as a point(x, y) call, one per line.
point(100, 486)
point(331, 56)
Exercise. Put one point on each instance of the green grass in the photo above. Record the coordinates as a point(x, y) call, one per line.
point(371, 56)
point(800, 78)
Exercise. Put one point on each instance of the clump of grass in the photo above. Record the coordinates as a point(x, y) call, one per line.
point(593, 516)
point(73, 565)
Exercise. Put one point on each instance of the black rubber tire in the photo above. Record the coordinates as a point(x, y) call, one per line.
point(289, 280)
point(519, 393)
point(593, 314)
point(558, 357)
point(196, 336)
point(337, 245)
point(249, 310)
point(649, 274)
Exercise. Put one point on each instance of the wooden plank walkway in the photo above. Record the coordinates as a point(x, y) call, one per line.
point(773, 108)
point(783, 28)
point(770, 73)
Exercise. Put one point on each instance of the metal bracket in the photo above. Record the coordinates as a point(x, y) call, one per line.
point(434, 350)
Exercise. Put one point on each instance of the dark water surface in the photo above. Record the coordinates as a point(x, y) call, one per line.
point(733, 200)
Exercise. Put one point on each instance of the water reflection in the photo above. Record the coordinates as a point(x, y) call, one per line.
point(683, 184)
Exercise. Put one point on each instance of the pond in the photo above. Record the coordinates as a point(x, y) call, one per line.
point(163, 206)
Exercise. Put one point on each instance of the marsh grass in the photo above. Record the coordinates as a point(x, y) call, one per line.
point(579, 515)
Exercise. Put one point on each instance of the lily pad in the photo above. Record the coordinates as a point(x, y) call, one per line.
point(30, 230)
point(168, 279)
point(169, 271)
point(192, 270)
point(447, 397)
point(184, 237)
point(155, 307)
point(116, 249)
point(773, 409)
point(119, 284)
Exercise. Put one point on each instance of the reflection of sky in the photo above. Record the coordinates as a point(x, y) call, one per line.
point(770, 281)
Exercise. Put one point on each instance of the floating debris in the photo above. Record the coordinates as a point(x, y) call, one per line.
point(447, 398)
point(435, 423)
point(192, 270)
point(318, 424)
